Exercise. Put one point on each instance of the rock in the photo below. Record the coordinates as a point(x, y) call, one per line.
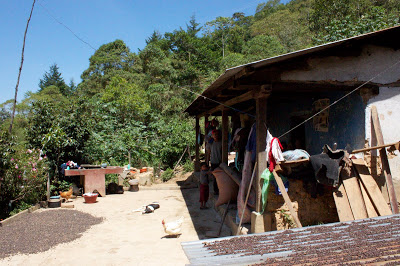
point(145, 178)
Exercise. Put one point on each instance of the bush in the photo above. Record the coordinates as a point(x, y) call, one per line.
point(23, 175)
point(167, 175)
point(188, 167)
point(59, 185)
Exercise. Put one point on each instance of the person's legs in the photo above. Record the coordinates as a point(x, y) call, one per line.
point(215, 185)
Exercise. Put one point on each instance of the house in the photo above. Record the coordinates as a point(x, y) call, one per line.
point(312, 97)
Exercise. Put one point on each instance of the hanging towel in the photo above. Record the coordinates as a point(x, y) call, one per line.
point(274, 151)
point(268, 179)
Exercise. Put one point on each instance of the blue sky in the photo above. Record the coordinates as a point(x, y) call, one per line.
point(95, 21)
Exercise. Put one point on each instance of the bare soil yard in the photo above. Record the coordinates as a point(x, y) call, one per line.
point(109, 233)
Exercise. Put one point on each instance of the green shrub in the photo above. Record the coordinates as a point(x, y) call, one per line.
point(23, 176)
point(188, 167)
point(167, 175)
point(21, 206)
point(59, 185)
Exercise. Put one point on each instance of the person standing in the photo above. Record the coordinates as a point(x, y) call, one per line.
point(216, 155)
point(204, 189)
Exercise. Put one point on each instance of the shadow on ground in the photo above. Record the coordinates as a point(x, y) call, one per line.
point(207, 222)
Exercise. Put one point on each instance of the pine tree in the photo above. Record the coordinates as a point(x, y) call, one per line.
point(53, 77)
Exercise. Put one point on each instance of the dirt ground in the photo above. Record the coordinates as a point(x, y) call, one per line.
point(131, 238)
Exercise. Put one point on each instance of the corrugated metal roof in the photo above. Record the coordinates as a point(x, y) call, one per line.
point(372, 241)
point(231, 72)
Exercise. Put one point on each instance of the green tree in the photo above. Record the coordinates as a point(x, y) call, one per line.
point(263, 46)
point(110, 59)
point(54, 78)
point(193, 27)
point(219, 30)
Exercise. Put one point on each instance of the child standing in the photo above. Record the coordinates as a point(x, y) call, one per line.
point(204, 190)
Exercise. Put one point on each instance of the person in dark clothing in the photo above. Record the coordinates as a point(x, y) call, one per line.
point(216, 155)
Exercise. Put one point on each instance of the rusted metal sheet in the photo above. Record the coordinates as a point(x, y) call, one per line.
point(371, 241)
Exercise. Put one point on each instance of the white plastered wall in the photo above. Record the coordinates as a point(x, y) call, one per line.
point(388, 106)
point(372, 61)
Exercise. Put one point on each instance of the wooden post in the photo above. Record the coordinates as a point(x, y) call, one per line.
point(384, 159)
point(197, 159)
point(225, 124)
point(286, 198)
point(261, 134)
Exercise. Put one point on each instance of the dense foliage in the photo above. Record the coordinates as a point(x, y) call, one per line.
point(132, 103)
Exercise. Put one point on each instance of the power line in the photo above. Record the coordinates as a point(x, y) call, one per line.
point(206, 98)
point(346, 95)
point(65, 26)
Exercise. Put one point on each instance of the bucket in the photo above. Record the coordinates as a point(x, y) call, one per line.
point(134, 188)
point(90, 197)
point(54, 203)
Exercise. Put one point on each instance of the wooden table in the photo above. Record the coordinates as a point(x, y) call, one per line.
point(94, 179)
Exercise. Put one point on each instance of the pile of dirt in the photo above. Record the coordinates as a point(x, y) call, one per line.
point(311, 211)
point(42, 230)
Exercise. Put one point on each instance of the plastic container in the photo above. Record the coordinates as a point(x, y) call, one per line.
point(54, 203)
point(90, 197)
point(143, 170)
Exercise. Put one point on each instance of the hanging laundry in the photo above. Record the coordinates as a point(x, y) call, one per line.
point(274, 151)
point(294, 155)
point(269, 178)
point(252, 143)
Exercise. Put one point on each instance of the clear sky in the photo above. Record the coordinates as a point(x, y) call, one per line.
point(96, 22)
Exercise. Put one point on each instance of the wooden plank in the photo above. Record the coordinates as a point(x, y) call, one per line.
point(235, 177)
point(294, 162)
point(396, 144)
point(342, 204)
point(372, 188)
point(261, 135)
point(197, 160)
point(241, 98)
point(385, 163)
point(368, 203)
point(286, 198)
point(225, 124)
point(354, 195)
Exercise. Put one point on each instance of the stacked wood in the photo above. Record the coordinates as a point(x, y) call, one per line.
point(359, 196)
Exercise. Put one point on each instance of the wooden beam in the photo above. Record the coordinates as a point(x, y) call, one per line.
point(385, 163)
point(396, 144)
point(368, 203)
point(244, 72)
point(286, 198)
point(342, 204)
point(354, 195)
point(261, 135)
point(225, 124)
point(197, 160)
point(241, 98)
point(262, 92)
point(371, 187)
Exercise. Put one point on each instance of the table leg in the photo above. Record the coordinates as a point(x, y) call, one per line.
point(95, 181)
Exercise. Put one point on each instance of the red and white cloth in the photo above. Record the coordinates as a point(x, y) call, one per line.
point(274, 151)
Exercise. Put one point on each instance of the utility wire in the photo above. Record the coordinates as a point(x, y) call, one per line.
point(212, 100)
point(346, 95)
point(65, 26)
point(20, 69)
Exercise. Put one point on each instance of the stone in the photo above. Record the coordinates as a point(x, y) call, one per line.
point(145, 178)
